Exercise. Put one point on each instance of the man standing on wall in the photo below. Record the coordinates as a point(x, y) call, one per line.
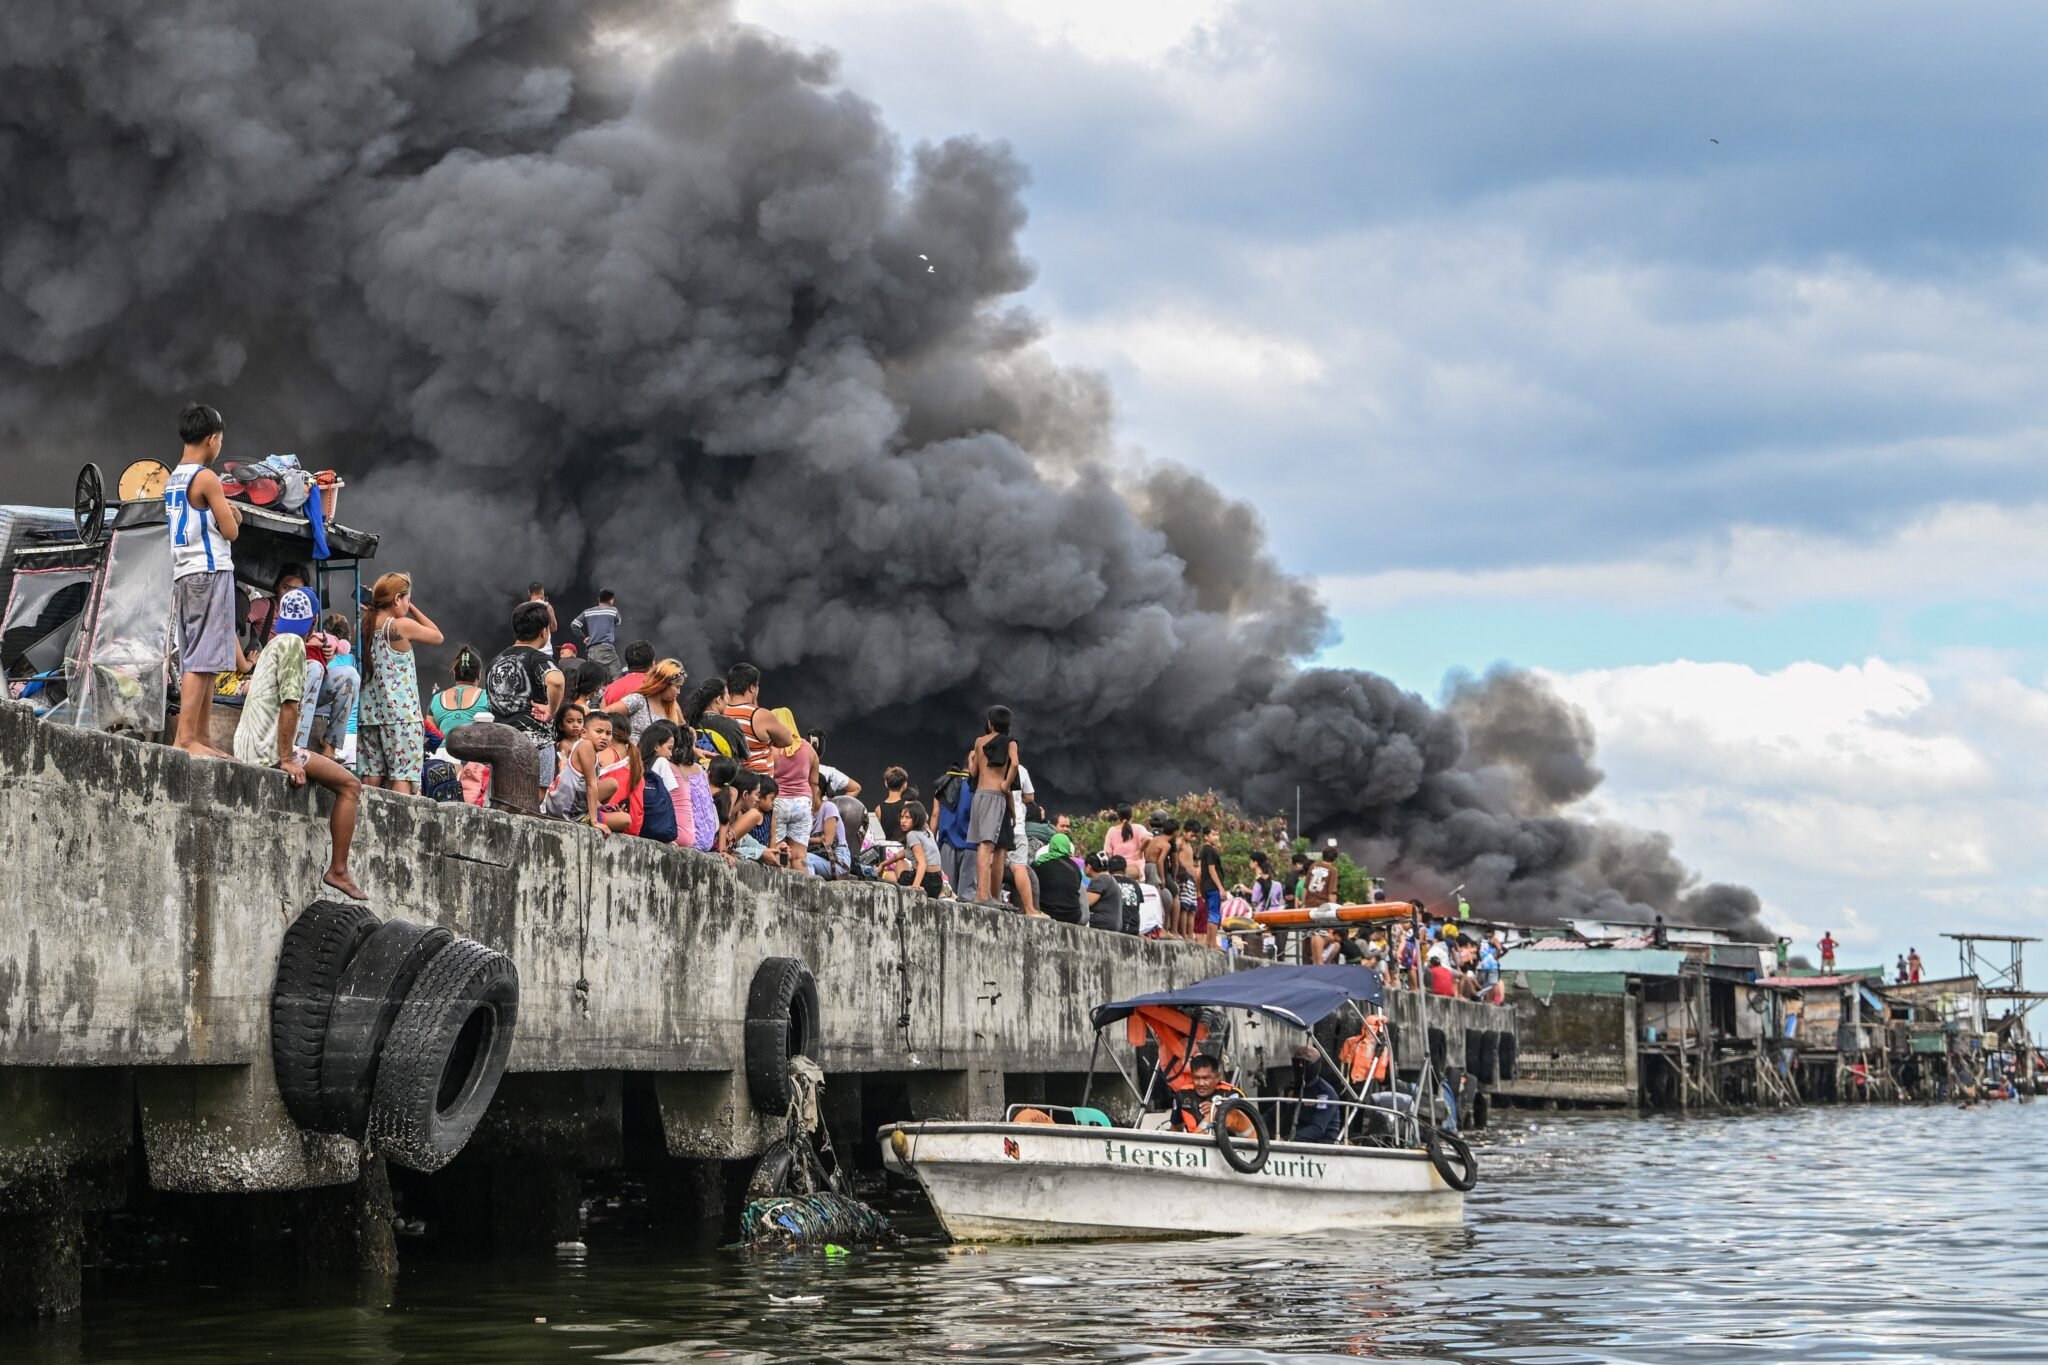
point(1319, 887)
point(203, 524)
point(599, 626)
point(1827, 952)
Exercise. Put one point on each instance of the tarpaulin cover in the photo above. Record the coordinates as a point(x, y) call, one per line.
point(1293, 995)
point(118, 682)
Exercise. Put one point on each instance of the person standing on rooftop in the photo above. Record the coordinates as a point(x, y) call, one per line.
point(599, 626)
point(203, 526)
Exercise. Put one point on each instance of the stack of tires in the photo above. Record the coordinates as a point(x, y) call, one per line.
point(393, 1033)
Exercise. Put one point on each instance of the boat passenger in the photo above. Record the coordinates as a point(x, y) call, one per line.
point(1318, 1118)
point(1194, 1109)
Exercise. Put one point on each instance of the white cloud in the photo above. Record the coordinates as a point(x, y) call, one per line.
point(1185, 350)
point(1884, 802)
point(1848, 730)
point(1957, 552)
point(1135, 31)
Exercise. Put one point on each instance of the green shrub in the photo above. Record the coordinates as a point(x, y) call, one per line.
point(1243, 835)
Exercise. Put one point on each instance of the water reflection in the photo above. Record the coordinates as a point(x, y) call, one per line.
point(1821, 1235)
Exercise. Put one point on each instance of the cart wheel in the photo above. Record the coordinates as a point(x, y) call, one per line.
point(89, 505)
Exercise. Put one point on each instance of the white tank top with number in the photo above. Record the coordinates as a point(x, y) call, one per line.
point(197, 545)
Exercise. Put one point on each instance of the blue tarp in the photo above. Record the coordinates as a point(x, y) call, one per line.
point(1294, 995)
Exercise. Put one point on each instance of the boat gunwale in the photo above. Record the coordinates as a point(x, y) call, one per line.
point(968, 1127)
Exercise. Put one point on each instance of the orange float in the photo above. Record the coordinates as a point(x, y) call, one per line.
point(1376, 913)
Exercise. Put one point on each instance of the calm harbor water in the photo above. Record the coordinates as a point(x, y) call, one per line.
point(1828, 1234)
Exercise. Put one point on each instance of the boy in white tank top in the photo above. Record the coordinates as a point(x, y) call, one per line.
point(203, 527)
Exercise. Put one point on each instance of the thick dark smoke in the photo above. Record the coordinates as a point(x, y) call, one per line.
point(1514, 722)
point(694, 326)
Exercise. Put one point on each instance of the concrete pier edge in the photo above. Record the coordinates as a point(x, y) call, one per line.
point(149, 890)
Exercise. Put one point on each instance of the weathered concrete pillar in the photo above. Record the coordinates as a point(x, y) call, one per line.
point(39, 1260)
point(709, 1114)
point(573, 1118)
point(535, 1205)
point(224, 1130)
point(688, 1195)
point(975, 1096)
point(843, 1115)
point(347, 1227)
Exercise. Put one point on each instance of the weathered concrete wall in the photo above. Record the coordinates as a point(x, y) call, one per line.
point(1574, 1047)
point(146, 894)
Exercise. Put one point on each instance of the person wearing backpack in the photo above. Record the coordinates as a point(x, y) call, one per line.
point(953, 799)
point(1133, 896)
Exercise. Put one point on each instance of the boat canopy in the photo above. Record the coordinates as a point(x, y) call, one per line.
point(1302, 996)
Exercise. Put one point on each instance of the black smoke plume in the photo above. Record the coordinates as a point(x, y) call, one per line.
point(632, 295)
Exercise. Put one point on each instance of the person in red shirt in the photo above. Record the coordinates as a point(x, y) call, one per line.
point(639, 658)
point(1827, 952)
point(1442, 980)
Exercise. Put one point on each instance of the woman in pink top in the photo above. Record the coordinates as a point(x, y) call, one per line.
point(796, 795)
point(1127, 841)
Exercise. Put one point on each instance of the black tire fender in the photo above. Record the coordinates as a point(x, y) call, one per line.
point(445, 1055)
point(372, 990)
point(1456, 1166)
point(317, 949)
point(774, 1173)
point(782, 1022)
point(1439, 1050)
point(1233, 1157)
point(1505, 1050)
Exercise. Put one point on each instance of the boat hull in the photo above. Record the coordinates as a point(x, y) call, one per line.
point(1038, 1182)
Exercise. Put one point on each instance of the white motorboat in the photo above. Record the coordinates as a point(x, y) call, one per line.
point(1072, 1175)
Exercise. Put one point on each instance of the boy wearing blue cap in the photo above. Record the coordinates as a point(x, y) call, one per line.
point(268, 734)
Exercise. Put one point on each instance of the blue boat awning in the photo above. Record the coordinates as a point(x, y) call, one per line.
point(1302, 996)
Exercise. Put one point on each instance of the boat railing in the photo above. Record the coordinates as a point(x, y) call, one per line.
point(1400, 1120)
point(1403, 1124)
point(1079, 1115)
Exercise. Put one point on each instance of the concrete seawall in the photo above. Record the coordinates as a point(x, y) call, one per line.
point(146, 895)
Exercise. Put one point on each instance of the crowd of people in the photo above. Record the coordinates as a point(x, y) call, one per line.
point(626, 743)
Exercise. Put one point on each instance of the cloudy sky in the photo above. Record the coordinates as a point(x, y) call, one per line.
point(1692, 355)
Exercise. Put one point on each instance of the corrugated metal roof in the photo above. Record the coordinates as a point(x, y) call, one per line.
point(1739, 955)
point(1627, 961)
point(1544, 985)
point(1800, 983)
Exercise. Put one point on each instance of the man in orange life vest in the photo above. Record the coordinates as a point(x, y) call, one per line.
point(1194, 1109)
